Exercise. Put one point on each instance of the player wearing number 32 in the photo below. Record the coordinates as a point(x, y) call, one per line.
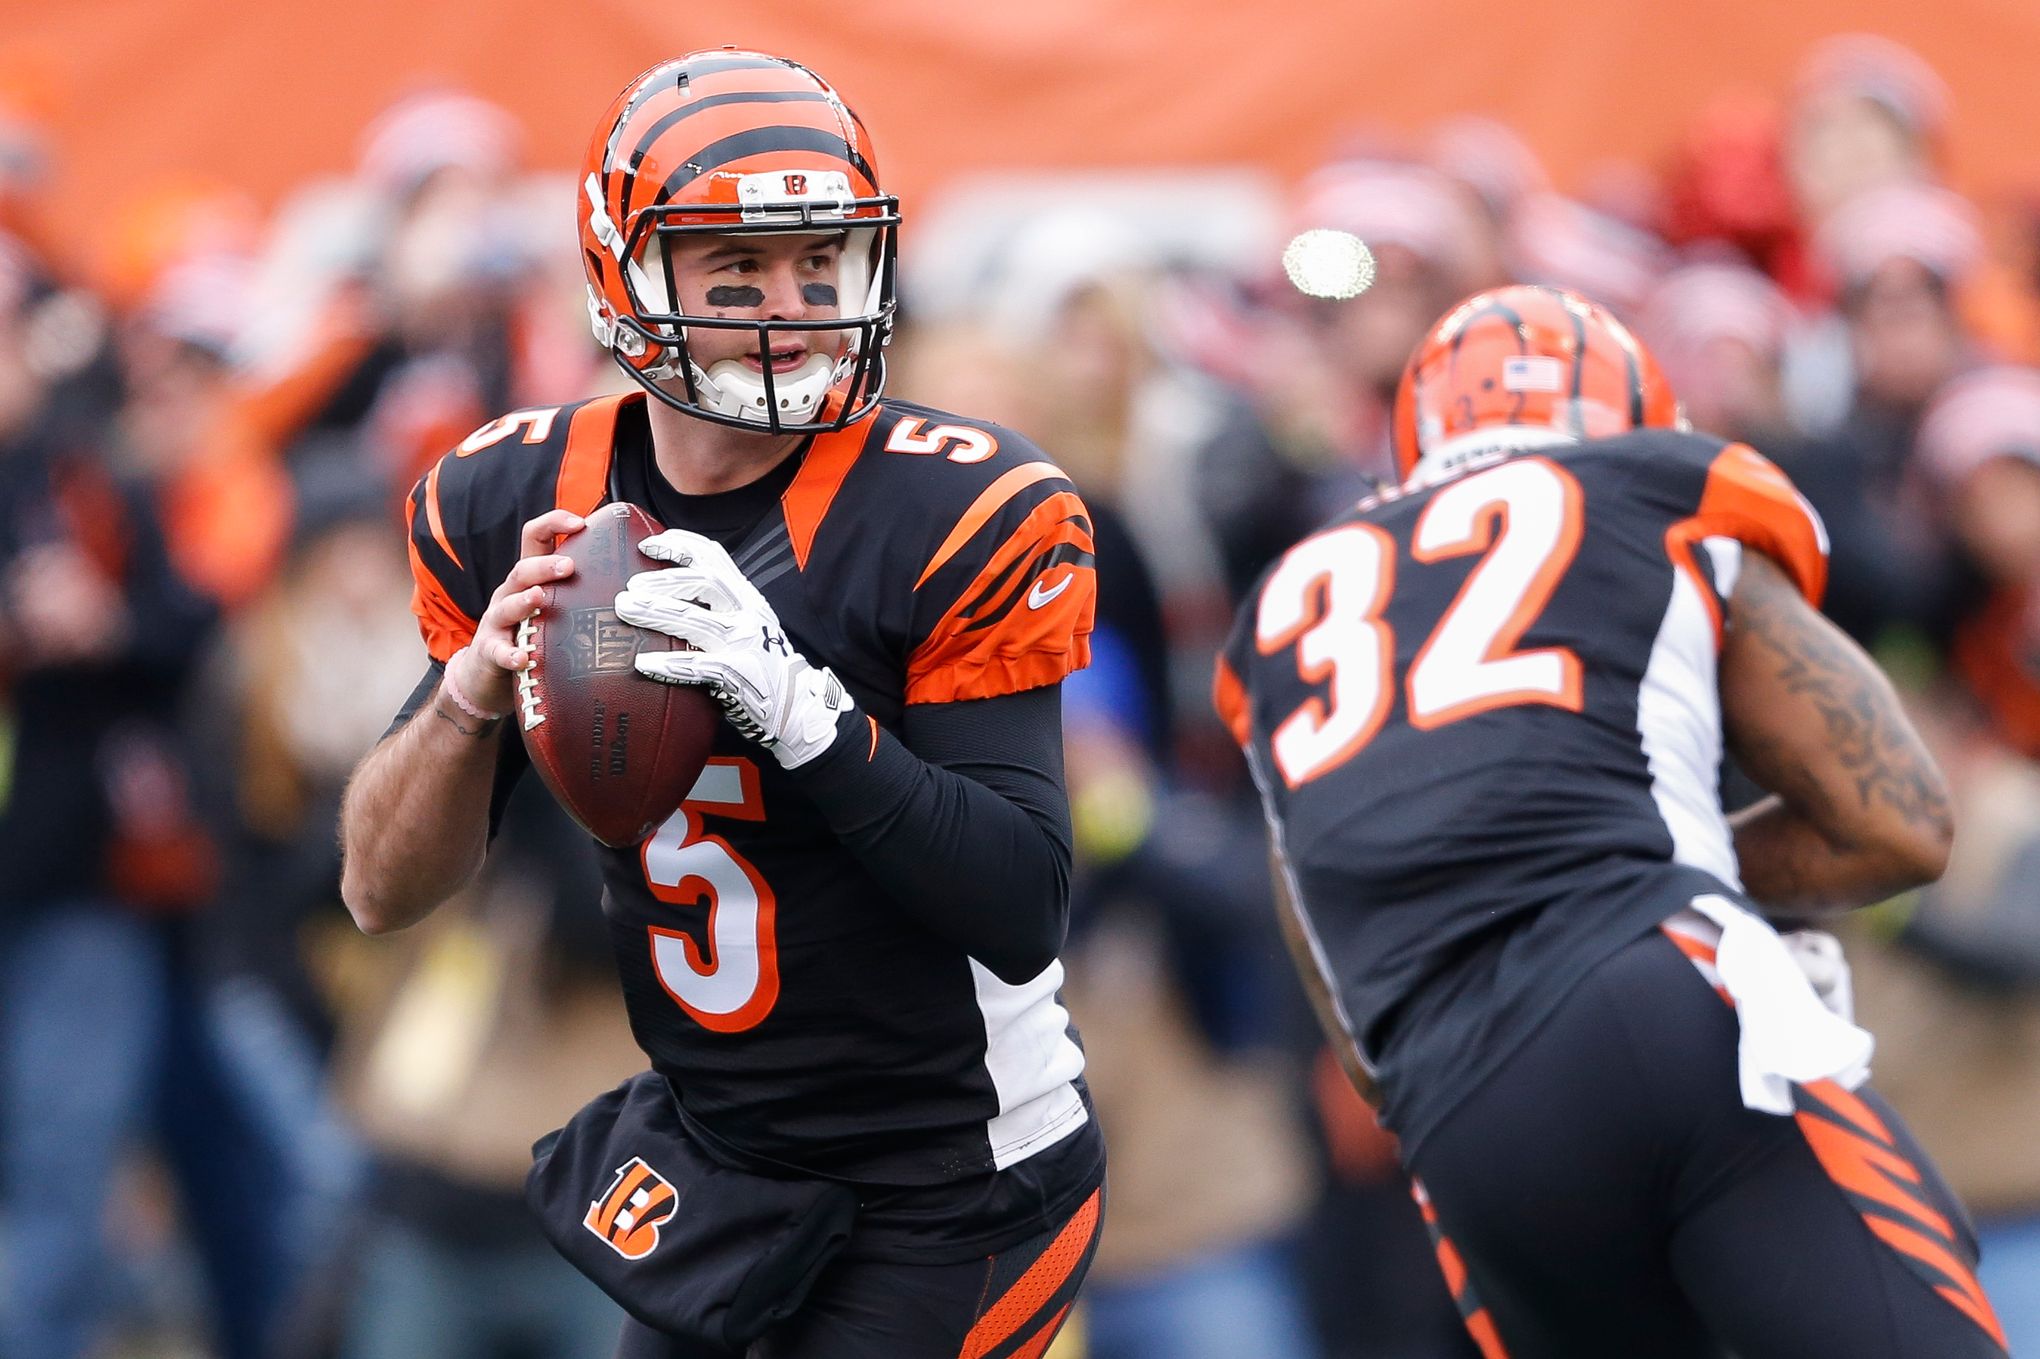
point(1487, 710)
point(840, 951)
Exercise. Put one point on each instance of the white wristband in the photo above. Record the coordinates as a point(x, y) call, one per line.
point(460, 700)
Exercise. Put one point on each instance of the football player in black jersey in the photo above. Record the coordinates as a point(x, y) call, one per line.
point(839, 953)
point(1487, 710)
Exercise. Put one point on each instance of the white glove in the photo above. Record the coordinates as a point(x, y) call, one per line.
point(767, 690)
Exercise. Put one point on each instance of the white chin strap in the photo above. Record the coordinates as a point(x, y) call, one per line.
point(732, 388)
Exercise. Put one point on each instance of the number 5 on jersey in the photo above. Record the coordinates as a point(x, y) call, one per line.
point(734, 984)
point(1328, 595)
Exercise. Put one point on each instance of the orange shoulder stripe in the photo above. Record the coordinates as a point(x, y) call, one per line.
point(1750, 499)
point(443, 623)
point(1229, 697)
point(806, 501)
point(432, 518)
point(591, 446)
point(1030, 646)
point(984, 507)
point(1680, 541)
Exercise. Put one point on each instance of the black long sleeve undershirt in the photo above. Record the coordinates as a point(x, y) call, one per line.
point(963, 819)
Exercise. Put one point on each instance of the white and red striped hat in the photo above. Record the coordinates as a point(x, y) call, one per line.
point(434, 130)
point(1391, 203)
point(1933, 226)
point(1990, 413)
point(1557, 240)
point(1715, 300)
point(1887, 73)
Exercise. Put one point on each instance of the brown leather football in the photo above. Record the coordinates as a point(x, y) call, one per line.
point(618, 750)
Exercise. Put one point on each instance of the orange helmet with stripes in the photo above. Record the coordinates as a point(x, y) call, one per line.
point(1521, 366)
point(736, 143)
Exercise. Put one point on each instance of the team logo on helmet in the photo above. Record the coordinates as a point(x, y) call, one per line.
point(630, 1212)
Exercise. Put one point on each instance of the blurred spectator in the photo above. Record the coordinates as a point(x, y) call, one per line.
point(315, 664)
point(414, 297)
point(1720, 332)
point(1866, 112)
point(1496, 172)
point(479, 1034)
point(1082, 380)
point(1725, 187)
point(1427, 254)
point(27, 102)
point(97, 828)
point(1981, 442)
point(178, 219)
point(1899, 256)
point(1567, 244)
point(224, 496)
point(1177, 967)
point(1314, 430)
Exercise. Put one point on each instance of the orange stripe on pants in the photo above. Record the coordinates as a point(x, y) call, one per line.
point(1043, 1278)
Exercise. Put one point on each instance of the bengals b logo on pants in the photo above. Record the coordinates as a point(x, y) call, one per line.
point(630, 1212)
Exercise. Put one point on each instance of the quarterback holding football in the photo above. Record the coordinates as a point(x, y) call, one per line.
point(865, 1129)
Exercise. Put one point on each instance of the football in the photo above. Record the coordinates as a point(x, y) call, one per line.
point(618, 750)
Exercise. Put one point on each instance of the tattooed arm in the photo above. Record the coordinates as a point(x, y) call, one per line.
point(1860, 810)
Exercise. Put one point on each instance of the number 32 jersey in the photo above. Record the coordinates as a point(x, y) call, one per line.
point(804, 1017)
point(1484, 717)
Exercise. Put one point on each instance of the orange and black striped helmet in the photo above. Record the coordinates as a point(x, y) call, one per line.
point(736, 143)
point(1521, 366)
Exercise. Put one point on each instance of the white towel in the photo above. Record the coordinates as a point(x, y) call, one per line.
point(1788, 1034)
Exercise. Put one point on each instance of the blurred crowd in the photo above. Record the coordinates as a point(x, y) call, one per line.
point(230, 1126)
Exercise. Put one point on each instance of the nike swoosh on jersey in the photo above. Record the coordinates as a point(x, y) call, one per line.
point(1037, 597)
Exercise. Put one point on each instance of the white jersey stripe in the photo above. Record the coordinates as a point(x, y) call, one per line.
point(1032, 1063)
point(1678, 716)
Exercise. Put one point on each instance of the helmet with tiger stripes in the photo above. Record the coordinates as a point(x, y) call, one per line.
point(1520, 367)
point(735, 143)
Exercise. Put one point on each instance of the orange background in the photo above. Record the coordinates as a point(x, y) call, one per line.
point(262, 94)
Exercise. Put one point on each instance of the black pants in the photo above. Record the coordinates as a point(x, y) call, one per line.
point(1004, 1306)
point(1607, 1194)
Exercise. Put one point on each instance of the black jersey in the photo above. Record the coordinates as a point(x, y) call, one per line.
point(804, 1019)
point(1485, 720)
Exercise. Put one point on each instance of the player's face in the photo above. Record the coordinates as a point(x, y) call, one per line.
point(760, 278)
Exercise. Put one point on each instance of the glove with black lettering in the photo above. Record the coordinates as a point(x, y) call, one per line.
point(767, 690)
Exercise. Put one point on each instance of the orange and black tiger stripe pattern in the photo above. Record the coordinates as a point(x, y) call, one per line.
point(1019, 1316)
point(1874, 1173)
point(1872, 1170)
point(1479, 1324)
point(713, 111)
point(1025, 617)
